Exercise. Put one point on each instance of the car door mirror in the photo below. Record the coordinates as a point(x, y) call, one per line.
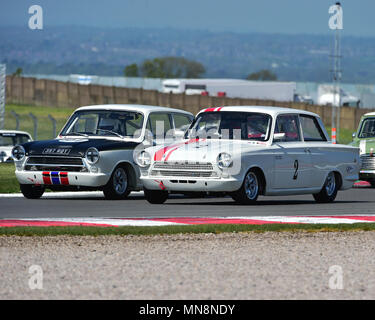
point(277, 137)
point(354, 135)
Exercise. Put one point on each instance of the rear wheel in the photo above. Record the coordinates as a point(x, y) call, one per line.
point(155, 196)
point(31, 191)
point(118, 185)
point(329, 190)
point(250, 189)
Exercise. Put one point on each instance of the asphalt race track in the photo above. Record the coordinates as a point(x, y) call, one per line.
point(354, 201)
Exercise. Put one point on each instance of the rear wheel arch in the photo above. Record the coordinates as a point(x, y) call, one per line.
point(338, 177)
point(330, 188)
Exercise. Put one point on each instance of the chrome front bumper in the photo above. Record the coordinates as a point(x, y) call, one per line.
point(189, 184)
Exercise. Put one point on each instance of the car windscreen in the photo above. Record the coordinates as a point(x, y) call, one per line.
point(367, 128)
point(231, 125)
point(12, 139)
point(105, 123)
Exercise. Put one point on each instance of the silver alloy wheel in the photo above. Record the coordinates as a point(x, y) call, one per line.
point(330, 184)
point(120, 181)
point(251, 185)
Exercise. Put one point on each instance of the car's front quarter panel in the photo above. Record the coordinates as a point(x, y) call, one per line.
point(260, 158)
point(110, 159)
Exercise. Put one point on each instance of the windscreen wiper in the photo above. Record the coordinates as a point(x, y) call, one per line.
point(113, 132)
point(77, 133)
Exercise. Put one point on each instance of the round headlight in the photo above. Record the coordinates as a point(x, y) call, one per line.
point(92, 155)
point(224, 160)
point(18, 153)
point(143, 159)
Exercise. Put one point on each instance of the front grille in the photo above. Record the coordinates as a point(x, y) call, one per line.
point(368, 162)
point(182, 166)
point(183, 169)
point(55, 161)
point(55, 164)
point(171, 173)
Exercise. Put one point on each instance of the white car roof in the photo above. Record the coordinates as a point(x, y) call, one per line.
point(15, 131)
point(133, 107)
point(369, 114)
point(273, 111)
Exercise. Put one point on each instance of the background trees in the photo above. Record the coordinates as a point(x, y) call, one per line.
point(262, 75)
point(166, 67)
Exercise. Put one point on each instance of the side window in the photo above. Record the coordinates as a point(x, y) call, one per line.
point(311, 129)
point(288, 125)
point(160, 123)
point(181, 122)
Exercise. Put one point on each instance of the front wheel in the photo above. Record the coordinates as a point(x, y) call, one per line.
point(31, 191)
point(329, 190)
point(118, 185)
point(250, 189)
point(155, 196)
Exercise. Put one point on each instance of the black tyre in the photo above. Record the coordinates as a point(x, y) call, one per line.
point(117, 187)
point(329, 190)
point(250, 189)
point(32, 192)
point(155, 196)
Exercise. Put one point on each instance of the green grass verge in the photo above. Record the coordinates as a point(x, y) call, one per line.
point(165, 230)
point(8, 181)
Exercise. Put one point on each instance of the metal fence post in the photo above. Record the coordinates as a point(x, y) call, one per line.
point(53, 125)
point(35, 121)
point(17, 116)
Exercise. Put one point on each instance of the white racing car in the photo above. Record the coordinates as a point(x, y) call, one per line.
point(94, 150)
point(249, 151)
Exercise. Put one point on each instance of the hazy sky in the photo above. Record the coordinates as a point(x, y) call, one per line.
point(271, 16)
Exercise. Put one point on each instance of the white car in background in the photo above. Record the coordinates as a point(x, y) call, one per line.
point(249, 151)
point(10, 138)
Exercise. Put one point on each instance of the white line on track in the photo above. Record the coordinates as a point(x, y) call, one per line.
point(329, 219)
point(107, 221)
